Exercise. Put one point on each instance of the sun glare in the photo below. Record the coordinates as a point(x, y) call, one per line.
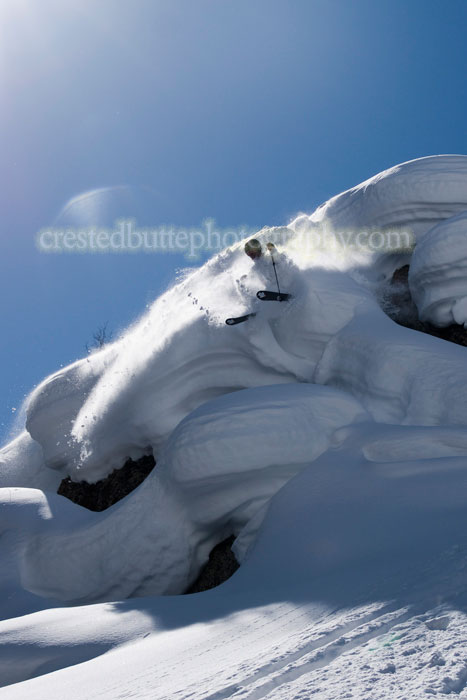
point(14, 9)
point(19, 21)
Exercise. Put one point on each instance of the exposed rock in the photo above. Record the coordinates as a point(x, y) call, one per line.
point(454, 333)
point(397, 302)
point(221, 566)
point(108, 491)
point(401, 276)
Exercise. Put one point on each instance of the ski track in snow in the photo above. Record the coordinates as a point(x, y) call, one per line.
point(320, 650)
point(376, 651)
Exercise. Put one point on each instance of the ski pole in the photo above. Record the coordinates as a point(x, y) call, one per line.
point(271, 247)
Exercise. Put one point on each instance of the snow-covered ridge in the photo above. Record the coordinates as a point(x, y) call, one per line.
point(129, 398)
point(264, 429)
point(417, 194)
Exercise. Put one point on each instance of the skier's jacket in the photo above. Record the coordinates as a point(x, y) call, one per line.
point(284, 269)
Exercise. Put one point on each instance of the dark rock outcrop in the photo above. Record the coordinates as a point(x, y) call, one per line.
point(397, 302)
point(454, 333)
point(221, 566)
point(113, 488)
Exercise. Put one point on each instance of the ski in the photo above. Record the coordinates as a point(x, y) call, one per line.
point(238, 319)
point(272, 296)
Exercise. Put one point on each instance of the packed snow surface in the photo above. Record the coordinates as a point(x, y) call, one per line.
point(330, 441)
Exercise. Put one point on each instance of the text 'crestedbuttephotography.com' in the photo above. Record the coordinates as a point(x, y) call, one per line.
point(126, 237)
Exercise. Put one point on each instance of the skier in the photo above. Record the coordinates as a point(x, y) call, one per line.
point(254, 251)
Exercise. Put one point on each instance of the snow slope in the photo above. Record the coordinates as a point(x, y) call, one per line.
point(356, 583)
point(331, 441)
point(415, 195)
point(123, 552)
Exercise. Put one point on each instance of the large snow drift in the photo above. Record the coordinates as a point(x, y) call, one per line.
point(341, 586)
point(317, 406)
point(127, 399)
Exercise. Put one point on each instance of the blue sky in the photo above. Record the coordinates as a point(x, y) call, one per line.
point(244, 111)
